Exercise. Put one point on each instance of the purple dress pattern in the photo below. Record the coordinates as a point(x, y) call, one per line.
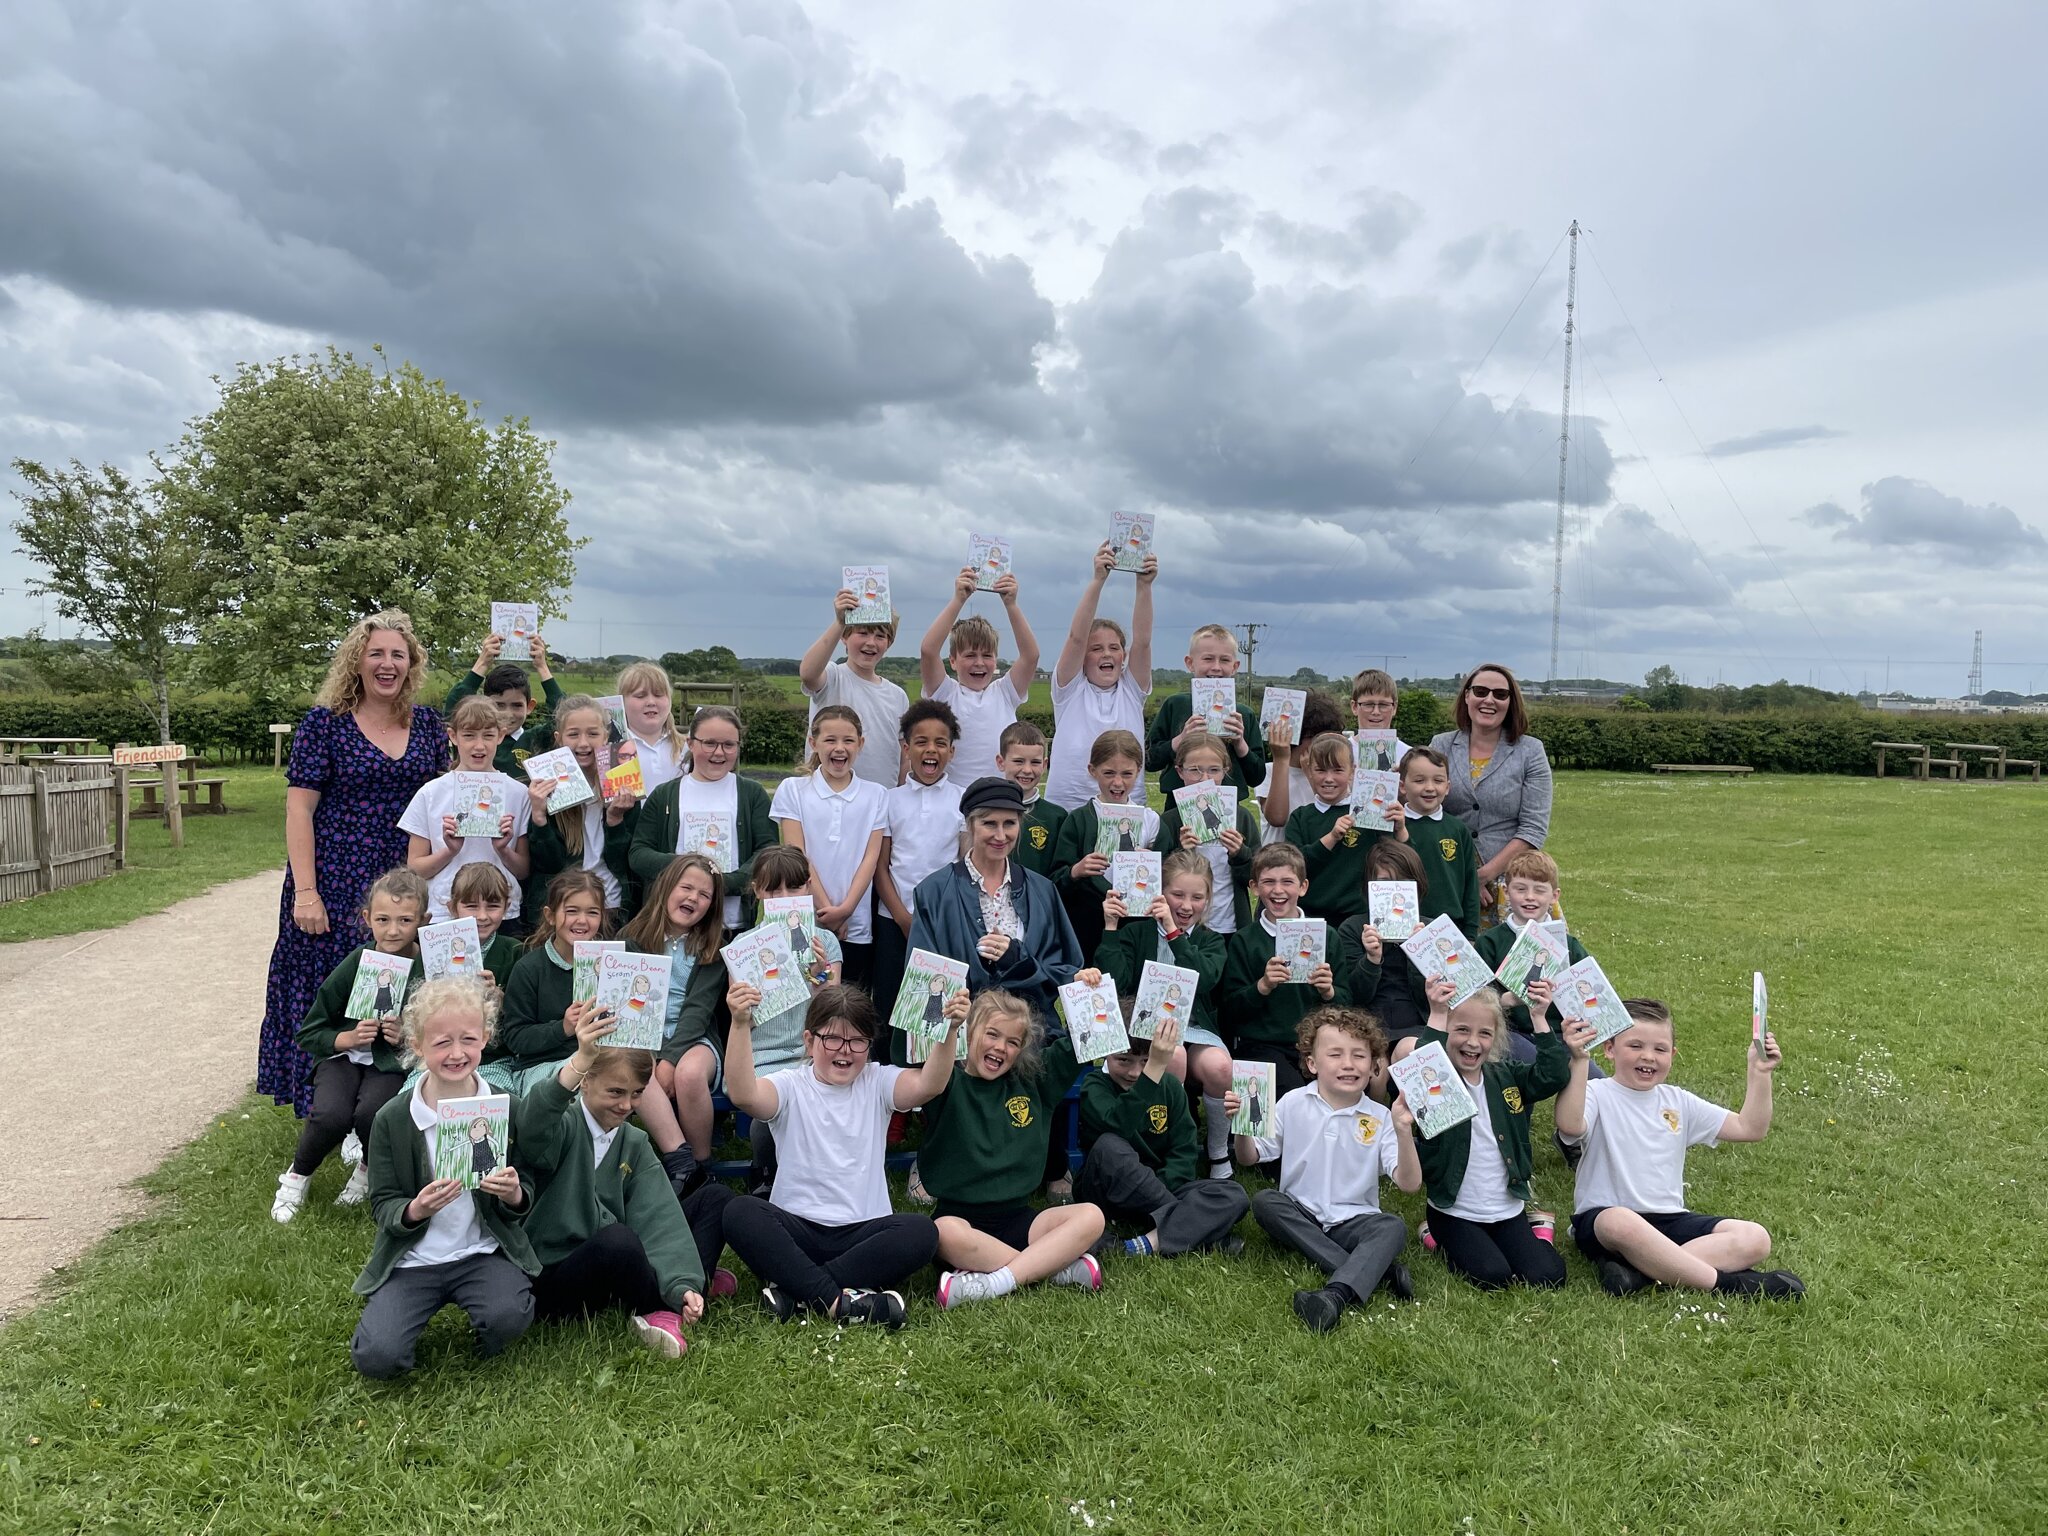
point(356, 838)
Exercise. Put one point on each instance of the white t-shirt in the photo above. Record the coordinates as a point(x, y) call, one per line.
point(836, 825)
point(1635, 1145)
point(1299, 793)
point(1080, 713)
point(1484, 1194)
point(1331, 1159)
point(455, 1231)
point(720, 797)
point(435, 799)
point(923, 828)
point(659, 762)
point(880, 705)
point(983, 718)
point(592, 812)
point(829, 1145)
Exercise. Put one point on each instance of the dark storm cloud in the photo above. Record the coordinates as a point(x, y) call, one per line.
point(1769, 438)
point(1899, 513)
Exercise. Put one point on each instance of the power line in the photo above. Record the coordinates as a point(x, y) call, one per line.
point(1250, 630)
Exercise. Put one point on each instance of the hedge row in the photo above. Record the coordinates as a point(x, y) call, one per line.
point(214, 726)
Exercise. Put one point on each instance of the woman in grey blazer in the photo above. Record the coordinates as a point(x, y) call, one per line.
point(1500, 775)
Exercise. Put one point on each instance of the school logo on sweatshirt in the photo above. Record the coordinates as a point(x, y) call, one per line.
point(1039, 838)
point(1512, 1097)
point(1448, 847)
point(1020, 1111)
point(1368, 1127)
point(1351, 838)
point(1671, 1121)
point(1156, 1118)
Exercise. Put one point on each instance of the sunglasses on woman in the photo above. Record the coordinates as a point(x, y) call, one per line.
point(1478, 691)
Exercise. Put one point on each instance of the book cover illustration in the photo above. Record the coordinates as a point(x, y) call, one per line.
point(1587, 995)
point(989, 558)
point(634, 990)
point(1283, 706)
point(761, 958)
point(583, 966)
point(1375, 799)
point(1393, 908)
point(1436, 1096)
point(1377, 750)
point(1119, 829)
point(379, 988)
point(1256, 1084)
point(472, 1137)
point(797, 917)
point(571, 788)
point(614, 707)
point(1095, 1020)
point(451, 949)
point(1759, 1013)
point(1215, 702)
point(1206, 809)
point(929, 982)
point(479, 804)
point(1165, 996)
point(711, 834)
point(1130, 539)
point(625, 779)
point(516, 624)
point(1135, 877)
point(1538, 951)
point(870, 585)
point(1439, 949)
point(1300, 942)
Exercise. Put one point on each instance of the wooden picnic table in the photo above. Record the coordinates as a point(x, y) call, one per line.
point(1916, 752)
point(1994, 767)
point(189, 786)
point(13, 748)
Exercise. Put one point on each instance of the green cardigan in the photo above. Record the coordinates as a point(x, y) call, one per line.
point(1246, 772)
point(1240, 863)
point(501, 954)
point(1152, 1117)
point(1450, 868)
point(1513, 1088)
point(328, 1016)
point(1336, 876)
point(1122, 954)
point(530, 1024)
point(538, 735)
point(1038, 836)
point(659, 827)
point(1493, 946)
point(574, 1198)
point(1273, 1019)
point(399, 1169)
point(551, 855)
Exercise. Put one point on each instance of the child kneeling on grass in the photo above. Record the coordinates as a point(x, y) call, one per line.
point(606, 1227)
point(439, 1244)
point(1629, 1214)
point(825, 1240)
point(1335, 1145)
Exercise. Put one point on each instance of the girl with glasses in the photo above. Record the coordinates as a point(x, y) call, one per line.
point(710, 783)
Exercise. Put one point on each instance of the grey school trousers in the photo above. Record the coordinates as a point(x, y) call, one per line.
point(493, 1290)
point(1200, 1216)
point(1357, 1252)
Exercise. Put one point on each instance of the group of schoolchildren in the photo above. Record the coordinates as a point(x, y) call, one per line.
point(604, 1202)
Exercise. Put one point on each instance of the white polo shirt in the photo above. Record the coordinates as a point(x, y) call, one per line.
point(1080, 713)
point(880, 705)
point(923, 830)
point(659, 762)
point(836, 826)
point(829, 1145)
point(437, 798)
point(983, 718)
point(455, 1231)
point(1331, 1159)
point(1635, 1143)
point(600, 1139)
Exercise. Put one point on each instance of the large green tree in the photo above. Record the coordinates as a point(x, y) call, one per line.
point(323, 489)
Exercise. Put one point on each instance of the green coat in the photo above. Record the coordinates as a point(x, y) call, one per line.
point(1038, 836)
point(328, 1016)
point(574, 1200)
point(1513, 1088)
point(1240, 863)
point(538, 736)
point(536, 1000)
point(1450, 868)
point(1336, 876)
point(551, 855)
point(1273, 1019)
point(501, 954)
point(659, 828)
point(1122, 954)
point(985, 1139)
point(1152, 1117)
point(1245, 772)
point(399, 1169)
point(1493, 946)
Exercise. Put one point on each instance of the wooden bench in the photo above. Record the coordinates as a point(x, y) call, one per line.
point(1735, 768)
point(188, 796)
point(1915, 753)
point(2032, 766)
point(1993, 755)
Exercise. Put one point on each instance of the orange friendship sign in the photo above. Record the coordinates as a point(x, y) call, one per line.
point(133, 757)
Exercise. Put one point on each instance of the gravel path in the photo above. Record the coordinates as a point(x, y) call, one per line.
point(159, 1018)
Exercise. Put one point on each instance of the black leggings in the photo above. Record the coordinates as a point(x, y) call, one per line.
point(1493, 1254)
point(346, 1097)
point(814, 1263)
point(610, 1268)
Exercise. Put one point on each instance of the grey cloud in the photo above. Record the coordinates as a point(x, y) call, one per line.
point(1191, 155)
point(1375, 57)
point(1827, 514)
point(1383, 222)
point(1630, 562)
point(1902, 513)
point(1769, 438)
point(1008, 145)
point(1459, 258)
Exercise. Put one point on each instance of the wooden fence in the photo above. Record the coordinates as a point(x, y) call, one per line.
point(61, 824)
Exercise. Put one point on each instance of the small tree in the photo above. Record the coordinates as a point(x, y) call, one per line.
point(120, 562)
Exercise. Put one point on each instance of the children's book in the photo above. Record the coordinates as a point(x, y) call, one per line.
point(870, 585)
point(797, 917)
point(625, 779)
point(1392, 908)
point(1119, 829)
point(379, 989)
point(479, 804)
point(1300, 942)
point(1135, 877)
point(1538, 951)
point(1439, 949)
point(1759, 1013)
point(1130, 539)
point(614, 707)
point(929, 982)
point(1095, 1020)
point(1435, 1094)
point(1586, 994)
point(1257, 1085)
point(1376, 749)
point(1283, 706)
point(1215, 702)
point(711, 834)
point(1206, 809)
point(989, 558)
point(516, 624)
point(451, 949)
point(634, 990)
point(1165, 996)
point(571, 788)
point(583, 966)
point(761, 958)
point(471, 1137)
point(1375, 799)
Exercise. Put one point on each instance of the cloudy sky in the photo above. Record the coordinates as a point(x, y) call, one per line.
point(797, 285)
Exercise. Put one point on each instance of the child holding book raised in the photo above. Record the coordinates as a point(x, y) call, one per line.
point(920, 834)
point(1201, 760)
point(437, 848)
point(837, 819)
point(1334, 1146)
point(504, 684)
point(1629, 1215)
point(854, 684)
point(1021, 760)
point(1256, 1001)
point(1141, 1146)
point(825, 1240)
point(595, 835)
point(358, 1064)
point(1376, 971)
point(651, 733)
point(439, 1244)
point(481, 892)
point(540, 1019)
point(1286, 785)
point(1374, 699)
point(1116, 763)
point(684, 919)
point(709, 784)
point(986, 1136)
point(778, 1039)
point(1212, 653)
point(1532, 891)
point(1100, 682)
point(1332, 844)
point(984, 703)
point(1442, 841)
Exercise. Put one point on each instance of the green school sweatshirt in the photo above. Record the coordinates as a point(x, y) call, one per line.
point(1513, 1088)
point(1152, 1117)
point(985, 1138)
point(1493, 946)
point(659, 827)
point(328, 1016)
point(551, 855)
point(1387, 990)
point(536, 999)
point(1273, 1019)
point(1122, 954)
point(1336, 876)
point(1037, 837)
point(501, 954)
point(1240, 863)
point(538, 734)
point(1450, 868)
point(573, 1200)
point(1246, 772)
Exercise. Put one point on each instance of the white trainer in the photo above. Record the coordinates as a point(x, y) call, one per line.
point(357, 1189)
point(291, 1194)
point(351, 1149)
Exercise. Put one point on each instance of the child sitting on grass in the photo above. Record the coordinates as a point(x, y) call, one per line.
point(1629, 1214)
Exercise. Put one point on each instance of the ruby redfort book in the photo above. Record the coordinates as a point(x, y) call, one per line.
point(625, 779)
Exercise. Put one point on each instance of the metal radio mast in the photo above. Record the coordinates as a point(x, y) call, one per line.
point(1977, 667)
point(1564, 438)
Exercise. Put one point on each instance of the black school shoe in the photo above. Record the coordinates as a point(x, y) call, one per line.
point(778, 1303)
point(1762, 1284)
point(1320, 1310)
point(1619, 1279)
point(883, 1307)
point(1783, 1285)
point(684, 1172)
point(1399, 1283)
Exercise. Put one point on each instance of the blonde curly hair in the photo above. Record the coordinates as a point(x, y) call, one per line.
point(439, 996)
point(342, 691)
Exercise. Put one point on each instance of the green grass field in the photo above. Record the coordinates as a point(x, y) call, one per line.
point(192, 1373)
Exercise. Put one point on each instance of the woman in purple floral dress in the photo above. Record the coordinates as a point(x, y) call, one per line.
point(357, 759)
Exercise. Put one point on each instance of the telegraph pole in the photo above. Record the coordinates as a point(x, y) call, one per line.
point(1249, 633)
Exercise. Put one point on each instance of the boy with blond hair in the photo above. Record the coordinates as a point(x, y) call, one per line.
point(1021, 759)
point(985, 704)
point(854, 683)
point(1212, 652)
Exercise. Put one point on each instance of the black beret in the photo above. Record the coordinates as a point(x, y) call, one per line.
point(992, 794)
